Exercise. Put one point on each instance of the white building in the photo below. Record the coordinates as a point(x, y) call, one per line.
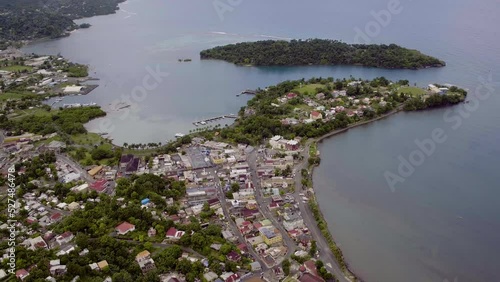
point(73, 89)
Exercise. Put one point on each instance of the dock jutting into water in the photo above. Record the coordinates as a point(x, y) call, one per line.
point(204, 121)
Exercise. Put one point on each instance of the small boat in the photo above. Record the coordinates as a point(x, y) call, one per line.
point(179, 135)
point(203, 122)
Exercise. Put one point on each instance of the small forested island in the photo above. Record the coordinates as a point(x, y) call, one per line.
point(321, 52)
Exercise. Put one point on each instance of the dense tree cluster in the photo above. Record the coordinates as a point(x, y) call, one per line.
point(33, 19)
point(150, 186)
point(321, 52)
point(433, 101)
point(76, 70)
point(68, 121)
point(35, 168)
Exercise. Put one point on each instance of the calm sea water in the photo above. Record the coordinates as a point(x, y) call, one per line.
point(439, 224)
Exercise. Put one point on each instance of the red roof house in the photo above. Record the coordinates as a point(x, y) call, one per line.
point(65, 237)
point(174, 234)
point(55, 217)
point(124, 228)
point(233, 256)
point(316, 115)
point(22, 274)
point(233, 278)
point(99, 186)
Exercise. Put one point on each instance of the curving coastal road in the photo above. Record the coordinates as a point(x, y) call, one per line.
point(325, 253)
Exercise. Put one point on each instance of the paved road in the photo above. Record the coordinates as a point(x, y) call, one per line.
point(325, 253)
point(234, 228)
point(263, 204)
point(52, 210)
point(84, 174)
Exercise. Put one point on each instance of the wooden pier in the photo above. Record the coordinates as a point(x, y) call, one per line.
point(204, 121)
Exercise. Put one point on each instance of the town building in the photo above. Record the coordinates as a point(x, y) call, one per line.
point(146, 263)
point(270, 235)
point(124, 228)
point(174, 234)
point(315, 115)
point(64, 238)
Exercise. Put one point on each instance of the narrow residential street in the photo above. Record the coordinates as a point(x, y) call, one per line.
point(234, 228)
point(263, 205)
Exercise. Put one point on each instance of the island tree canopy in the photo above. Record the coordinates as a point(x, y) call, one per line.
point(320, 52)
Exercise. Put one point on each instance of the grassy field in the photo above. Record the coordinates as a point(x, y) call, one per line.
point(89, 139)
point(37, 112)
point(309, 88)
point(313, 150)
point(47, 141)
point(303, 107)
point(16, 68)
point(140, 153)
point(414, 91)
point(9, 95)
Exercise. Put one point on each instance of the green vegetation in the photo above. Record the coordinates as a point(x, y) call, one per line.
point(76, 70)
point(455, 95)
point(14, 95)
point(413, 91)
point(90, 139)
point(35, 168)
point(313, 150)
point(320, 267)
point(65, 121)
point(326, 233)
point(103, 154)
point(16, 68)
point(320, 52)
point(149, 186)
point(384, 96)
point(33, 19)
point(286, 266)
point(94, 226)
point(308, 88)
point(84, 25)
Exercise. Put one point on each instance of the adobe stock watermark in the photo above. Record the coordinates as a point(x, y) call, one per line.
point(224, 6)
point(12, 211)
point(427, 147)
point(128, 103)
point(380, 20)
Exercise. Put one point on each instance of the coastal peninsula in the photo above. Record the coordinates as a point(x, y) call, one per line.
point(224, 202)
point(321, 52)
